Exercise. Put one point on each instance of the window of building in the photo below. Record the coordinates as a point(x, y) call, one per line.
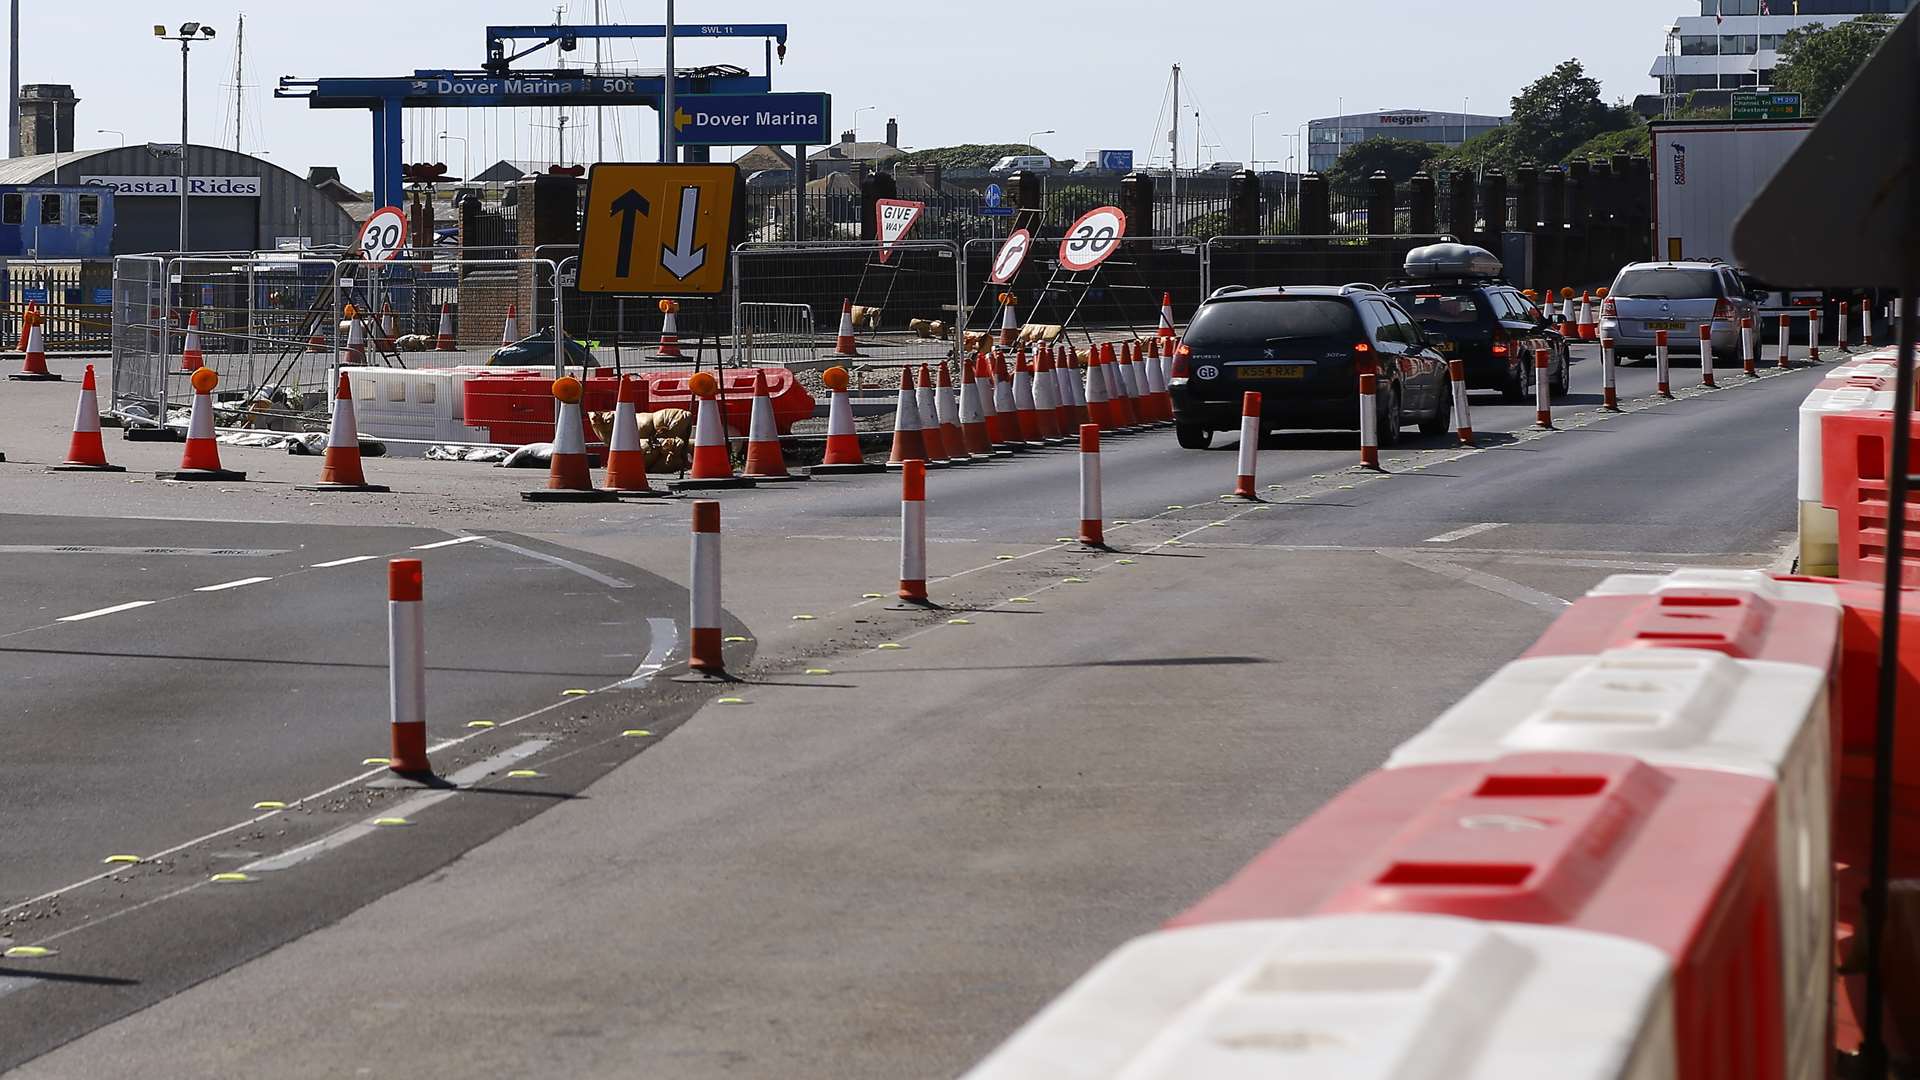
point(1698, 45)
point(49, 208)
point(12, 208)
point(1738, 44)
point(88, 211)
point(1730, 7)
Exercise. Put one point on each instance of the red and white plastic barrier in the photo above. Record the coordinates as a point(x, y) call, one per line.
point(1093, 525)
point(1245, 484)
point(1861, 384)
point(407, 667)
point(1856, 465)
point(913, 532)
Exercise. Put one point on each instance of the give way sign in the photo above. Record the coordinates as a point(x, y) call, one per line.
point(1011, 256)
point(384, 234)
point(896, 217)
point(1091, 239)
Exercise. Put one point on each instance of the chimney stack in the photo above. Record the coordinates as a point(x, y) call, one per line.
point(893, 133)
point(46, 118)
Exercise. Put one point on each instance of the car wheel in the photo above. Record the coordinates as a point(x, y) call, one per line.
point(1514, 390)
point(1391, 418)
point(1442, 417)
point(1557, 382)
point(1192, 436)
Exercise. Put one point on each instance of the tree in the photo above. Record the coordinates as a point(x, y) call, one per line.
point(1398, 158)
point(1817, 60)
point(1560, 110)
point(967, 155)
point(1487, 150)
point(1636, 140)
point(1067, 204)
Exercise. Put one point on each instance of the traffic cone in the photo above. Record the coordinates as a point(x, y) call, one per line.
point(908, 443)
point(1076, 390)
point(33, 364)
point(1099, 410)
point(669, 331)
point(1006, 406)
point(843, 439)
point(1122, 397)
point(201, 459)
point(764, 459)
point(1046, 397)
point(1009, 330)
point(384, 341)
point(510, 330)
point(1023, 403)
point(443, 341)
point(973, 417)
point(356, 354)
point(626, 458)
point(569, 476)
point(929, 408)
point(1137, 383)
point(1157, 385)
point(1585, 325)
point(85, 452)
point(947, 408)
point(340, 470)
point(990, 420)
point(190, 358)
point(317, 341)
point(28, 316)
point(712, 464)
point(1166, 316)
point(843, 344)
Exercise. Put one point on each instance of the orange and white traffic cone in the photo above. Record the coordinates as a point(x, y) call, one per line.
point(191, 359)
point(669, 331)
point(407, 668)
point(1157, 378)
point(569, 475)
point(1049, 407)
point(510, 326)
point(1099, 404)
point(1028, 417)
point(1005, 405)
point(626, 458)
point(85, 453)
point(201, 459)
point(843, 438)
point(316, 340)
point(712, 463)
point(33, 312)
point(843, 343)
point(384, 340)
point(443, 341)
point(33, 362)
point(973, 417)
point(1585, 325)
point(1166, 317)
point(987, 392)
point(340, 469)
point(908, 443)
point(929, 407)
point(1009, 328)
point(1121, 393)
point(947, 409)
point(356, 354)
point(764, 459)
point(1076, 389)
point(1142, 396)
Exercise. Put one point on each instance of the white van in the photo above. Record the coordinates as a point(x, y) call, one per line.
point(1017, 162)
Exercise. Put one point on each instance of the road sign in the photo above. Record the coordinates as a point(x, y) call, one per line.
point(896, 218)
point(752, 119)
point(1091, 239)
point(1753, 105)
point(1116, 160)
point(660, 230)
point(384, 234)
point(1012, 254)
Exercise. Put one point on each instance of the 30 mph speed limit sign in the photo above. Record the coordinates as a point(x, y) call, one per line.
point(384, 234)
point(1091, 239)
point(1011, 256)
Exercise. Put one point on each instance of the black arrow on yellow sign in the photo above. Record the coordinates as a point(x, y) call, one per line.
point(626, 207)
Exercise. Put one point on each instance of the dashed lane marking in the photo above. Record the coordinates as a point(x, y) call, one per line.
point(1462, 534)
point(97, 612)
point(104, 549)
point(348, 561)
point(446, 543)
point(225, 585)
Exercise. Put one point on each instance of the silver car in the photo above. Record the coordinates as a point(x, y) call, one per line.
point(1676, 297)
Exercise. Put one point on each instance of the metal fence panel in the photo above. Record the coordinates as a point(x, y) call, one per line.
point(906, 309)
point(139, 385)
point(1124, 293)
point(1259, 261)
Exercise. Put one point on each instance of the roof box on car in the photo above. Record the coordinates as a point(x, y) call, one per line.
point(1452, 261)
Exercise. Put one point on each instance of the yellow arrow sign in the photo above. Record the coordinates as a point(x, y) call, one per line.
point(660, 230)
point(681, 119)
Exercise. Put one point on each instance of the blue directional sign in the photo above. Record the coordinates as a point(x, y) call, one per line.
point(753, 119)
point(1116, 160)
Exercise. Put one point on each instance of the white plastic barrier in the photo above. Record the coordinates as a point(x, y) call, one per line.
point(426, 404)
point(1696, 709)
point(1864, 382)
point(1357, 997)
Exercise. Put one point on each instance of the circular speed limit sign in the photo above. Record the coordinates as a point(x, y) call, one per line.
point(384, 234)
point(1011, 256)
point(1094, 237)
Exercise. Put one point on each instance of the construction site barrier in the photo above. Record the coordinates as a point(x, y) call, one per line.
point(1856, 450)
point(1864, 382)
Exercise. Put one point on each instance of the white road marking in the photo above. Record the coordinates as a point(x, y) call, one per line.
point(665, 634)
point(343, 562)
point(1512, 590)
point(1462, 534)
point(565, 564)
point(232, 584)
point(129, 606)
point(446, 543)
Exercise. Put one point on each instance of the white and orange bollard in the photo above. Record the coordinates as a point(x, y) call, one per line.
point(407, 668)
point(712, 465)
point(191, 357)
point(201, 458)
point(443, 341)
point(1093, 521)
point(764, 458)
point(1009, 322)
point(85, 451)
point(946, 411)
point(1165, 331)
point(1815, 319)
point(669, 348)
point(1542, 389)
point(973, 416)
point(33, 361)
point(1245, 479)
point(1609, 364)
point(843, 454)
point(626, 458)
point(1840, 327)
point(510, 326)
point(706, 653)
point(569, 476)
point(1462, 412)
point(1369, 415)
point(1749, 348)
point(1786, 342)
point(1662, 365)
point(909, 444)
point(1866, 322)
point(913, 535)
point(1706, 355)
point(340, 468)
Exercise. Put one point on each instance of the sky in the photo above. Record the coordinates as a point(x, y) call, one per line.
point(951, 73)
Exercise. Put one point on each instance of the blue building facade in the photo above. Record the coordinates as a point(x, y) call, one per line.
point(56, 221)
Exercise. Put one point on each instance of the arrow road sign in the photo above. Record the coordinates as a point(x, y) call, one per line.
point(1012, 253)
point(683, 258)
point(660, 230)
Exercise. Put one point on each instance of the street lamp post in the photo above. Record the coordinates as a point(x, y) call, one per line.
point(1032, 135)
point(1253, 159)
point(856, 120)
point(465, 165)
point(112, 131)
point(190, 32)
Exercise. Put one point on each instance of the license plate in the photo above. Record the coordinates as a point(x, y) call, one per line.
point(1446, 346)
point(1270, 373)
point(1665, 324)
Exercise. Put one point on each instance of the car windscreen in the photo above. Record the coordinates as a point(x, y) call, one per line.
point(1313, 324)
point(1666, 284)
point(1438, 308)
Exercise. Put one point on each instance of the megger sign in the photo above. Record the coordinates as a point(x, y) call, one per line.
point(246, 186)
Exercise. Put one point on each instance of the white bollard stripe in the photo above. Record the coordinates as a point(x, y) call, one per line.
point(705, 607)
point(406, 673)
point(913, 540)
point(626, 428)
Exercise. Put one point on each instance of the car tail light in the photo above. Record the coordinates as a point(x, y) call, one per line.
point(1722, 310)
point(1806, 301)
point(1609, 309)
point(1182, 363)
point(1500, 346)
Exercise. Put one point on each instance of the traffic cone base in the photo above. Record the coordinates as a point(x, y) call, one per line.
point(569, 475)
point(765, 461)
